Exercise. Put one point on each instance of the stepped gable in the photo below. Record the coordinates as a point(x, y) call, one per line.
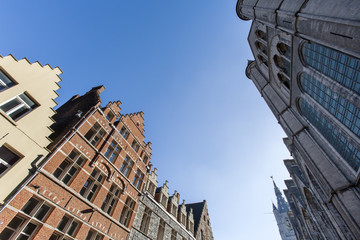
point(57, 69)
point(198, 209)
point(71, 112)
point(135, 123)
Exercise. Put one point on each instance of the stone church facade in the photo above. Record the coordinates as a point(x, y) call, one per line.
point(306, 67)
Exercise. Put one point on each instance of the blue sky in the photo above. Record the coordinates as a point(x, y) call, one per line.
point(182, 63)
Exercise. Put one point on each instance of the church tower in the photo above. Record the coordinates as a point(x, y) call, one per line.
point(281, 216)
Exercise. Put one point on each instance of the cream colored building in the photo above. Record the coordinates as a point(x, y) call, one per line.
point(27, 93)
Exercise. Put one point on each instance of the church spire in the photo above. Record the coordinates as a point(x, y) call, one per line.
point(282, 205)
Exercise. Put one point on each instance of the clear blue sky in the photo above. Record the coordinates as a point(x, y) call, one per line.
point(182, 63)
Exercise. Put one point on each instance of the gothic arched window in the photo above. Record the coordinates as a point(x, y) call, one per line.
point(261, 47)
point(339, 107)
point(346, 149)
point(342, 68)
point(260, 34)
point(283, 49)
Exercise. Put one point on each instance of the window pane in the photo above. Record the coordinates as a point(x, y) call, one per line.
point(27, 100)
point(42, 212)
point(30, 205)
point(10, 105)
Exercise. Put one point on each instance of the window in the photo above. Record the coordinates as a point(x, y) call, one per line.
point(260, 46)
point(5, 81)
point(92, 185)
point(110, 116)
point(151, 187)
point(145, 222)
point(124, 133)
point(182, 218)
point(173, 234)
point(94, 235)
point(202, 237)
point(263, 60)
point(135, 146)
point(18, 106)
point(283, 49)
point(283, 64)
point(68, 227)
point(95, 134)
point(350, 153)
point(342, 68)
point(339, 107)
point(146, 158)
point(113, 151)
point(138, 179)
point(111, 199)
point(161, 230)
point(68, 169)
point(260, 34)
point(127, 166)
point(7, 159)
point(164, 200)
point(127, 211)
point(25, 224)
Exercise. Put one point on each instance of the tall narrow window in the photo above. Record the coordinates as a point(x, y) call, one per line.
point(135, 146)
point(111, 199)
point(127, 166)
point(95, 134)
point(342, 68)
point(161, 230)
point(18, 106)
point(350, 153)
point(21, 227)
point(113, 151)
point(5, 81)
point(339, 107)
point(173, 234)
point(127, 212)
point(110, 116)
point(145, 221)
point(138, 179)
point(69, 226)
point(125, 133)
point(68, 169)
point(7, 159)
point(94, 235)
point(92, 185)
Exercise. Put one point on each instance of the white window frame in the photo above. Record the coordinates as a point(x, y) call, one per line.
point(22, 104)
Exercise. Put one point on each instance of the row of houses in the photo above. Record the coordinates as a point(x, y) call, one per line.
point(83, 171)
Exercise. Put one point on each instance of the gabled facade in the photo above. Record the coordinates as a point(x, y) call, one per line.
point(27, 98)
point(90, 184)
point(96, 183)
point(157, 219)
point(306, 67)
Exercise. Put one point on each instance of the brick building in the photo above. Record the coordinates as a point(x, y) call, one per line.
point(91, 184)
point(307, 68)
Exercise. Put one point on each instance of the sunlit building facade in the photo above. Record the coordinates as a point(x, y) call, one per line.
point(307, 69)
point(96, 183)
point(27, 98)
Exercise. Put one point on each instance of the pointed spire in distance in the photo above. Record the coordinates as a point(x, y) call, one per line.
point(282, 205)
